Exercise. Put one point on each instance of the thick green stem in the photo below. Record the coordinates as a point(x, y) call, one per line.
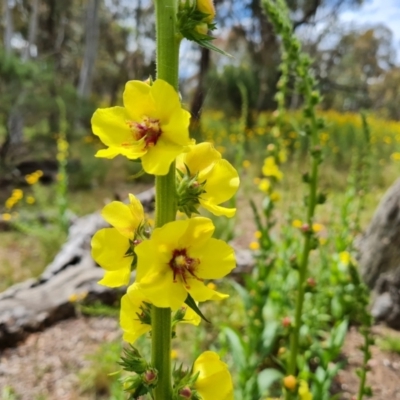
point(167, 69)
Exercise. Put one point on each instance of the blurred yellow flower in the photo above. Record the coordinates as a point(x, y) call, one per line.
point(304, 391)
point(30, 200)
point(246, 164)
point(6, 217)
point(297, 223)
point(152, 126)
point(264, 185)
point(317, 227)
point(270, 168)
point(254, 245)
point(345, 257)
point(214, 381)
point(275, 196)
point(395, 156)
point(257, 234)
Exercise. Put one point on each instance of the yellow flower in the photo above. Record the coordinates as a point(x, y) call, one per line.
point(254, 245)
point(134, 305)
point(17, 194)
point(257, 234)
point(275, 196)
point(152, 126)
point(30, 199)
point(177, 258)
point(206, 7)
point(246, 164)
point(304, 391)
point(270, 168)
point(6, 217)
point(219, 180)
point(345, 257)
point(395, 156)
point(111, 247)
point(317, 227)
point(214, 380)
point(297, 223)
point(264, 185)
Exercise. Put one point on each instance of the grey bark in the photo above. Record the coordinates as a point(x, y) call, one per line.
point(38, 303)
point(379, 258)
point(91, 45)
point(8, 25)
point(32, 30)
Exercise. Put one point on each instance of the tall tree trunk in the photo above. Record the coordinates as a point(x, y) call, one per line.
point(198, 98)
point(8, 26)
point(91, 44)
point(32, 30)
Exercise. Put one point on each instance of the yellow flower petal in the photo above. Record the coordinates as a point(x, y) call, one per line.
point(214, 380)
point(137, 100)
point(117, 278)
point(131, 304)
point(125, 218)
point(109, 124)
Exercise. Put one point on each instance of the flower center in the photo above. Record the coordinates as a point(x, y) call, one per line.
point(183, 265)
point(149, 129)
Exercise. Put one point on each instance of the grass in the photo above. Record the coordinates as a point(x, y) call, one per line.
point(389, 343)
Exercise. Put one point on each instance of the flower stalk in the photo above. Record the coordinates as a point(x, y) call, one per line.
point(167, 69)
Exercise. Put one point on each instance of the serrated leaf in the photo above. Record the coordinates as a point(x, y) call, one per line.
point(192, 304)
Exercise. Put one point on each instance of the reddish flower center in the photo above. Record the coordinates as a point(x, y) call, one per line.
point(183, 265)
point(149, 129)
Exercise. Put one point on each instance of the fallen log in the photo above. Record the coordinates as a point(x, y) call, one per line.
point(38, 303)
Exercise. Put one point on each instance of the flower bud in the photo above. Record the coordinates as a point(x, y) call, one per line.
point(150, 377)
point(206, 7)
point(185, 393)
point(290, 382)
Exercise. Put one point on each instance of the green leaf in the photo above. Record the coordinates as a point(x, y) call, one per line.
point(267, 377)
point(192, 304)
point(238, 347)
point(208, 45)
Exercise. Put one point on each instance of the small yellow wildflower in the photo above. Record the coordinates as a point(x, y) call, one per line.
point(254, 245)
point(177, 258)
point(174, 354)
point(212, 285)
point(304, 391)
point(30, 200)
point(345, 257)
point(275, 196)
point(256, 180)
point(18, 194)
point(290, 382)
point(395, 156)
point(246, 164)
point(152, 126)
point(317, 227)
point(257, 234)
point(282, 155)
point(297, 223)
point(270, 168)
point(264, 185)
point(214, 380)
point(6, 217)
